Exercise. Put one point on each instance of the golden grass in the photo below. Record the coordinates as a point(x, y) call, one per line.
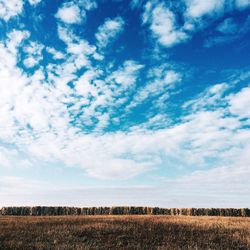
point(124, 232)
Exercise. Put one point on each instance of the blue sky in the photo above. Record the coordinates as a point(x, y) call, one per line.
point(125, 103)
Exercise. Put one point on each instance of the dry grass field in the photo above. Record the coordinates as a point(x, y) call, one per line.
point(124, 232)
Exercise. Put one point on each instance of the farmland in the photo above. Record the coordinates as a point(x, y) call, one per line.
point(124, 232)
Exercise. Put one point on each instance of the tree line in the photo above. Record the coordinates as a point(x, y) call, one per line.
point(52, 211)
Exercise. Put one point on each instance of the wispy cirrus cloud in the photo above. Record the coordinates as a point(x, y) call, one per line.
point(229, 31)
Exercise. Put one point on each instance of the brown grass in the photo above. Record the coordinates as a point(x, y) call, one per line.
point(124, 232)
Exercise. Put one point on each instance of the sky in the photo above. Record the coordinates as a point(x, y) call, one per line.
point(111, 102)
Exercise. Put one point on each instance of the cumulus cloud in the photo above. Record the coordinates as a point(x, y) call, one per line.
point(109, 31)
point(70, 13)
point(197, 9)
point(74, 12)
point(10, 9)
point(163, 25)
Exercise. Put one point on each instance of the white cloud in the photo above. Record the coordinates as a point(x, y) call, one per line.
point(80, 50)
point(74, 12)
point(106, 95)
point(211, 97)
point(171, 77)
point(30, 62)
point(199, 14)
point(60, 113)
point(34, 2)
point(66, 35)
point(109, 31)
point(170, 29)
point(239, 103)
point(15, 39)
point(10, 9)
point(87, 4)
point(161, 81)
point(33, 53)
point(199, 8)
point(57, 55)
point(37, 114)
point(126, 75)
point(163, 25)
point(70, 13)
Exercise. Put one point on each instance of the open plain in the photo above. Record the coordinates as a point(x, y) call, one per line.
point(124, 232)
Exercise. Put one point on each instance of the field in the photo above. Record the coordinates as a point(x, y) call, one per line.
point(124, 232)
